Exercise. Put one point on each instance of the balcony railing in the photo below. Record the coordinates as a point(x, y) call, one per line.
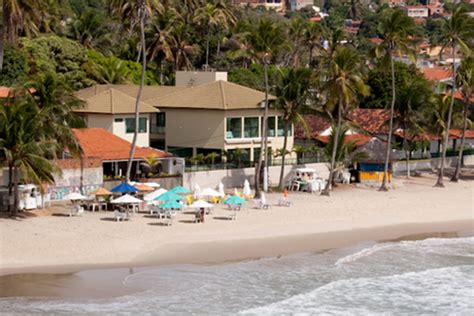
point(157, 129)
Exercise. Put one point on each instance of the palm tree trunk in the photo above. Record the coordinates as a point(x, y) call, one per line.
point(2, 47)
point(139, 95)
point(10, 186)
point(265, 132)
point(310, 57)
point(455, 177)
point(285, 143)
point(16, 192)
point(335, 144)
point(207, 47)
point(384, 186)
point(439, 182)
point(407, 151)
point(263, 140)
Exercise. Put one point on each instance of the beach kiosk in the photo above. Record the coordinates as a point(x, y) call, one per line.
point(371, 169)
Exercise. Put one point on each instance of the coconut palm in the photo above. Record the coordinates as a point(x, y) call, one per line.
point(312, 39)
point(211, 157)
point(25, 144)
point(395, 29)
point(264, 41)
point(136, 11)
point(345, 83)
point(457, 31)
point(19, 16)
point(150, 163)
point(89, 29)
point(110, 71)
point(291, 92)
point(345, 151)
point(465, 80)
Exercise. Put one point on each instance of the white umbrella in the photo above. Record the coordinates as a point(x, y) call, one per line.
point(153, 184)
point(262, 198)
point(201, 204)
point(220, 188)
point(151, 196)
point(75, 197)
point(209, 192)
point(126, 199)
point(246, 191)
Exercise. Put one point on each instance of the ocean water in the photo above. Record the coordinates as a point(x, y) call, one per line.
point(426, 277)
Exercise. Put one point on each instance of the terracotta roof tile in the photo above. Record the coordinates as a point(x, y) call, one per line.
point(437, 74)
point(4, 92)
point(316, 126)
point(370, 120)
point(359, 139)
point(101, 144)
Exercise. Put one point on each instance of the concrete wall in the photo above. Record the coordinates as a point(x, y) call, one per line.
point(235, 177)
point(101, 121)
point(119, 130)
point(166, 183)
point(70, 181)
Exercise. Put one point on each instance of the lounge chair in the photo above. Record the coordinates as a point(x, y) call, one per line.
point(284, 202)
point(120, 216)
point(233, 215)
point(261, 204)
point(76, 210)
point(170, 217)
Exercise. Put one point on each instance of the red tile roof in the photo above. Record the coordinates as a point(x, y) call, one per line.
point(4, 92)
point(457, 133)
point(316, 125)
point(375, 40)
point(99, 143)
point(370, 120)
point(459, 96)
point(437, 74)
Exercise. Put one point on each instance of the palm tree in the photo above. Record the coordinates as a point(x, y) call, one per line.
point(150, 163)
point(264, 41)
point(395, 28)
point(19, 16)
point(89, 29)
point(345, 83)
point(291, 92)
point(465, 79)
point(457, 32)
point(110, 71)
point(211, 157)
point(25, 143)
point(346, 151)
point(312, 39)
point(136, 11)
point(415, 94)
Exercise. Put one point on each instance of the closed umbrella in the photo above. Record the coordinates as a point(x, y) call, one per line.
point(220, 188)
point(196, 190)
point(124, 187)
point(247, 191)
point(180, 190)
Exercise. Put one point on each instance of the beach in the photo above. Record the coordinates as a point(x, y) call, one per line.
point(54, 243)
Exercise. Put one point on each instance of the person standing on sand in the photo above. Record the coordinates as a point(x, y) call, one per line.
point(202, 211)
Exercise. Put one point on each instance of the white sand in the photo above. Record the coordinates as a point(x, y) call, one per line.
point(350, 215)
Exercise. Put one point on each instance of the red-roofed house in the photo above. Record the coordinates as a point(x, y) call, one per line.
point(113, 152)
point(441, 77)
point(4, 92)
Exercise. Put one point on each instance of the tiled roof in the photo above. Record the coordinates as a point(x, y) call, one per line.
point(148, 92)
point(4, 92)
point(316, 125)
point(101, 144)
point(375, 40)
point(459, 96)
point(112, 101)
point(457, 133)
point(370, 120)
point(437, 73)
point(217, 95)
point(359, 139)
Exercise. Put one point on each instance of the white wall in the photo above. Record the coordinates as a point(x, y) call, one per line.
point(235, 177)
point(143, 139)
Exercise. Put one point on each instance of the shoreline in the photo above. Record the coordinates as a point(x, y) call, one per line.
point(54, 243)
point(222, 252)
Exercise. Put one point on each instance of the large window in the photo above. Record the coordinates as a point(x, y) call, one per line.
point(233, 127)
point(281, 128)
point(271, 128)
point(160, 119)
point(251, 127)
point(130, 125)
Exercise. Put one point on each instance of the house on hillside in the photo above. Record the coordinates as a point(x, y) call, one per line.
point(441, 77)
point(201, 114)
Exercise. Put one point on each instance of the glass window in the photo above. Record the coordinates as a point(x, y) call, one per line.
point(130, 125)
point(118, 120)
point(281, 128)
point(160, 119)
point(233, 127)
point(271, 126)
point(251, 127)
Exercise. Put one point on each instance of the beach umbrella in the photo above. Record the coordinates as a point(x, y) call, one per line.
point(246, 191)
point(208, 192)
point(142, 187)
point(234, 200)
point(126, 199)
point(154, 185)
point(171, 205)
point(153, 195)
point(124, 187)
point(201, 204)
point(75, 197)
point(196, 191)
point(180, 190)
point(169, 196)
point(220, 188)
point(101, 192)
